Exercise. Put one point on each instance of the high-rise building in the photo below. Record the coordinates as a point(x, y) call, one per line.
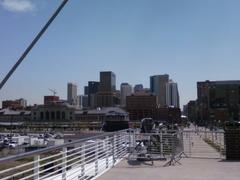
point(138, 88)
point(83, 101)
point(107, 96)
point(85, 90)
point(191, 110)
point(158, 87)
point(172, 95)
point(218, 101)
point(141, 105)
point(72, 94)
point(126, 90)
point(107, 81)
point(93, 88)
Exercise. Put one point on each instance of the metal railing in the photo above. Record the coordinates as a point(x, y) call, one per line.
point(83, 159)
point(90, 157)
point(204, 144)
point(162, 145)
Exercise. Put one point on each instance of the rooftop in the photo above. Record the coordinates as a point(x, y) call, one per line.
point(14, 112)
point(104, 110)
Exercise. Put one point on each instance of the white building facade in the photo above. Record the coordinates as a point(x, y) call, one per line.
point(126, 90)
point(172, 94)
point(72, 97)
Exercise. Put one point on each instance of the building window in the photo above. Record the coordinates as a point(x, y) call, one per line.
point(58, 115)
point(63, 115)
point(47, 115)
point(52, 115)
point(41, 115)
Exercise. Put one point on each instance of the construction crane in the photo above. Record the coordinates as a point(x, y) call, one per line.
point(53, 91)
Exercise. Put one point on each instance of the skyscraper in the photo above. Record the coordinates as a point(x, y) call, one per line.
point(83, 101)
point(172, 95)
point(218, 100)
point(72, 94)
point(107, 81)
point(85, 90)
point(138, 88)
point(107, 97)
point(93, 88)
point(126, 90)
point(158, 87)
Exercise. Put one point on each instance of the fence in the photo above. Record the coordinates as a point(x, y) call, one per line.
point(162, 145)
point(83, 159)
point(90, 157)
point(204, 144)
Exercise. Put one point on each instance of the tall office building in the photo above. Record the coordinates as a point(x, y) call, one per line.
point(218, 101)
point(172, 95)
point(83, 101)
point(158, 88)
point(93, 88)
point(107, 81)
point(72, 94)
point(107, 96)
point(138, 88)
point(126, 90)
point(85, 90)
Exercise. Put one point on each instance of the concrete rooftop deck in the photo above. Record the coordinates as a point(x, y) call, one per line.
point(191, 169)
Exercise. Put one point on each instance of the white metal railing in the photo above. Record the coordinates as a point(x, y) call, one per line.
point(161, 145)
point(204, 144)
point(90, 157)
point(83, 159)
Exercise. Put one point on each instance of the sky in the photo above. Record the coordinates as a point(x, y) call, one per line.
point(191, 40)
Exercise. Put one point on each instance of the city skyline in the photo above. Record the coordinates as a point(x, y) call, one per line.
point(191, 41)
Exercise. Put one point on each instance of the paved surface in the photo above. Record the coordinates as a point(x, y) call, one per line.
point(191, 169)
point(195, 146)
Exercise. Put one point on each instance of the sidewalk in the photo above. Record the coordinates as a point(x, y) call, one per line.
point(191, 169)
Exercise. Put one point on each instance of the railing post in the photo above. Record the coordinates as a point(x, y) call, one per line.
point(125, 143)
point(190, 144)
point(107, 152)
point(64, 164)
point(96, 158)
point(114, 149)
point(212, 137)
point(134, 138)
point(36, 167)
point(205, 133)
point(161, 143)
point(173, 146)
point(128, 144)
point(221, 145)
point(181, 138)
point(83, 160)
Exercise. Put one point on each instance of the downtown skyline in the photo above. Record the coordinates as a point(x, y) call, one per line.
point(191, 41)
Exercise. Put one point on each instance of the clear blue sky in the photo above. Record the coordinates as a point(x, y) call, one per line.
point(191, 40)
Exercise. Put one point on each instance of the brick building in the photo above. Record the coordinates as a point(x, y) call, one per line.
point(14, 104)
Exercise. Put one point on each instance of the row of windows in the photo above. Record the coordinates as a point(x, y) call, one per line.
point(53, 115)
